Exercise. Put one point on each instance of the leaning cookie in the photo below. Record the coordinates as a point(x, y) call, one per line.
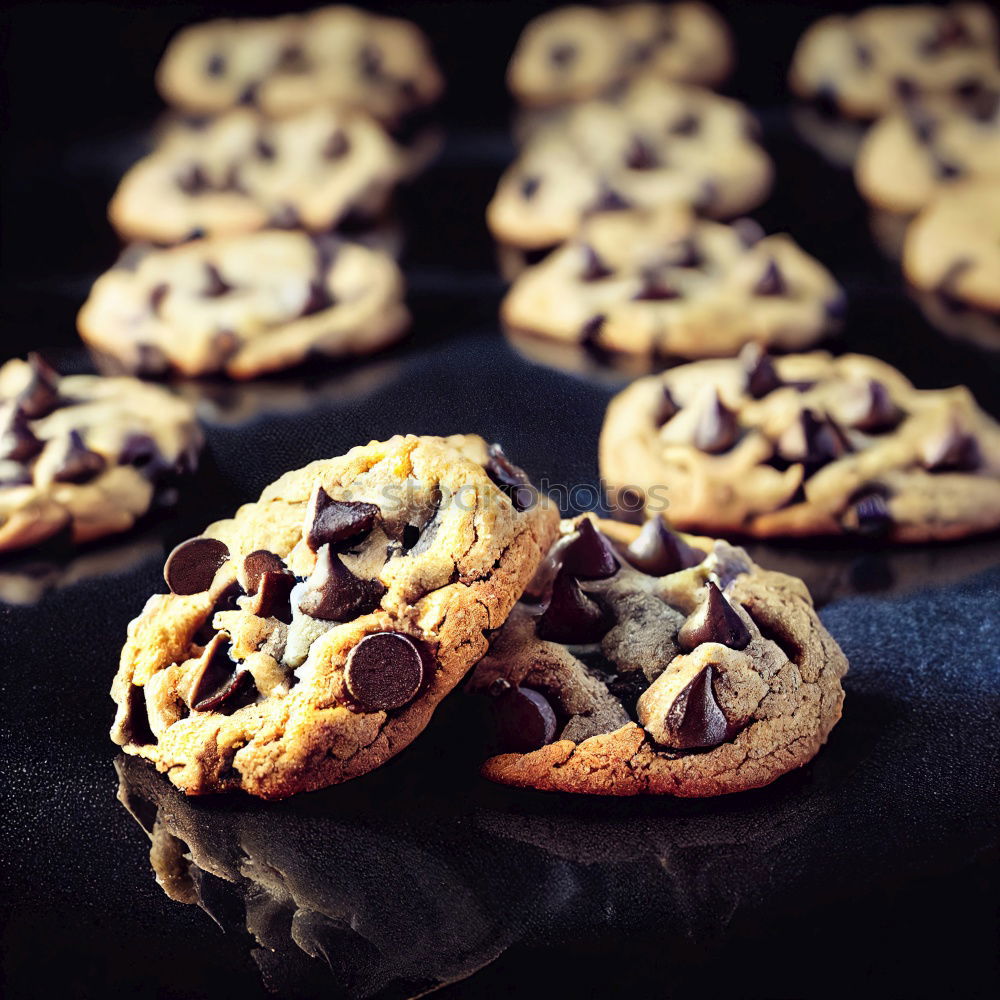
point(658, 664)
point(244, 305)
point(805, 444)
point(240, 173)
point(309, 638)
point(83, 454)
point(664, 282)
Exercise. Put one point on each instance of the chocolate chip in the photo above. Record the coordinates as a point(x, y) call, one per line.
point(370, 61)
point(318, 300)
point(228, 600)
point(594, 269)
point(384, 671)
point(337, 146)
point(657, 551)
point(906, 89)
point(340, 523)
point(334, 594)
point(589, 555)
point(689, 124)
point(156, 297)
point(215, 285)
point(529, 187)
point(772, 281)
point(717, 428)
point(41, 394)
point(572, 617)
point(822, 441)
point(77, 463)
point(193, 180)
point(256, 564)
point(248, 96)
point(947, 171)
point(191, 566)
point(714, 620)
point(695, 720)
point(510, 478)
point(640, 155)
point(271, 599)
point(954, 451)
point(609, 200)
point(217, 678)
point(286, 217)
point(264, 149)
point(871, 515)
point(749, 231)
point(17, 442)
point(216, 64)
point(686, 254)
point(880, 413)
point(761, 375)
point(137, 728)
point(655, 288)
point(562, 54)
point(523, 720)
point(863, 55)
point(411, 535)
point(590, 331)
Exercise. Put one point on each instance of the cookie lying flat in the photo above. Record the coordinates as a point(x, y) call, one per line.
point(664, 282)
point(308, 639)
point(662, 665)
point(659, 143)
point(575, 53)
point(338, 56)
point(241, 173)
point(867, 64)
point(245, 305)
point(805, 444)
point(84, 454)
point(907, 158)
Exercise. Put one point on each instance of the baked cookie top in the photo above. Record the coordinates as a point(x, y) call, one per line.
point(574, 53)
point(658, 143)
point(339, 56)
point(953, 245)
point(244, 305)
point(240, 173)
point(664, 282)
point(866, 64)
point(83, 453)
point(806, 444)
point(656, 663)
point(909, 156)
point(309, 638)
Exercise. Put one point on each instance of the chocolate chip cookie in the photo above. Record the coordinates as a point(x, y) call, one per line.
point(805, 444)
point(648, 662)
point(244, 305)
point(664, 282)
point(309, 638)
point(866, 64)
point(575, 53)
point(658, 143)
point(239, 173)
point(83, 454)
point(335, 56)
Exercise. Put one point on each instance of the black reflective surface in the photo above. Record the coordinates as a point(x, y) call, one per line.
point(873, 870)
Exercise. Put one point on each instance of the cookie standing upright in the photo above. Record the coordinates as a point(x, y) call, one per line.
point(657, 664)
point(805, 444)
point(83, 454)
point(309, 638)
point(244, 305)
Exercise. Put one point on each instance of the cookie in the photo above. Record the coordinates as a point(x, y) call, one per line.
point(575, 53)
point(666, 283)
point(83, 455)
point(909, 157)
point(867, 64)
point(244, 305)
point(240, 173)
point(659, 143)
point(309, 638)
point(660, 664)
point(335, 56)
point(805, 444)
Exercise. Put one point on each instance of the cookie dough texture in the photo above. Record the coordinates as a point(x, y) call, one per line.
point(88, 460)
point(781, 694)
point(336, 56)
point(837, 445)
point(870, 63)
point(574, 53)
point(658, 143)
point(450, 553)
point(244, 305)
point(240, 173)
point(666, 283)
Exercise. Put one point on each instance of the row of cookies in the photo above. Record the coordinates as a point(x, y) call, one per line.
point(283, 133)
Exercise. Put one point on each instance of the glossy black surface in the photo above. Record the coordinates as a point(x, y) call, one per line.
point(873, 870)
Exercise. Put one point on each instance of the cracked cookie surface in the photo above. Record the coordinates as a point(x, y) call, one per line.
point(85, 454)
point(244, 305)
point(309, 638)
point(805, 444)
point(646, 662)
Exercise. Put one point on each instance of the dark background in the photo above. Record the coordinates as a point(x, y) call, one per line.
point(873, 870)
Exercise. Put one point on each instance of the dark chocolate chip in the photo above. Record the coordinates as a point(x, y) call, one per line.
point(655, 288)
point(589, 555)
point(594, 269)
point(292, 60)
point(272, 597)
point(863, 55)
point(337, 146)
point(695, 718)
point(772, 281)
point(256, 564)
point(248, 96)
point(640, 155)
point(688, 124)
point(228, 600)
point(318, 300)
point(881, 413)
point(411, 535)
point(955, 451)
point(512, 479)
point(591, 330)
point(215, 285)
point(905, 88)
point(41, 394)
point(562, 54)
point(529, 187)
point(523, 720)
point(191, 566)
point(216, 64)
point(761, 375)
point(137, 728)
point(717, 428)
point(17, 442)
point(77, 463)
point(156, 297)
point(572, 617)
point(657, 551)
point(871, 515)
point(749, 231)
point(714, 620)
point(384, 671)
point(370, 62)
point(685, 253)
point(824, 441)
point(948, 171)
point(193, 180)
point(264, 149)
point(334, 594)
point(666, 408)
point(340, 523)
point(609, 200)
point(217, 678)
